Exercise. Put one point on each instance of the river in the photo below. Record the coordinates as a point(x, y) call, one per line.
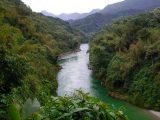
point(75, 75)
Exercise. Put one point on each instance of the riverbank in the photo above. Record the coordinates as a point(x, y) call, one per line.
point(75, 74)
point(118, 96)
point(123, 97)
point(157, 114)
point(68, 53)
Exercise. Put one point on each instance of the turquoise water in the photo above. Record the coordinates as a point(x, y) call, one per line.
point(76, 75)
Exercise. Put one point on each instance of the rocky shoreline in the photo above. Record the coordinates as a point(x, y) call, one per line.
point(67, 53)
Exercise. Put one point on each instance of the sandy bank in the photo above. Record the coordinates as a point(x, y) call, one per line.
point(155, 113)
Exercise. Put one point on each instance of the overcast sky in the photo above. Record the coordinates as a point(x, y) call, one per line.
point(67, 6)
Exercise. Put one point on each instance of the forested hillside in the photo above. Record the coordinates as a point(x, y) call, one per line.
point(125, 55)
point(29, 47)
point(131, 4)
point(95, 22)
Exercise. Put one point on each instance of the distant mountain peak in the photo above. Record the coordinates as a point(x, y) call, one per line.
point(95, 10)
point(131, 4)
point(46, 13)
point(70, 16)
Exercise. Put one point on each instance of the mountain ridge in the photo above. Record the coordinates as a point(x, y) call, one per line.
point(70, 16)
point(112, 12)
point(130, 4)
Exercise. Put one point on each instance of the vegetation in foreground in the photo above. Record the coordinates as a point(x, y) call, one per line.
point(80, 106)
point(125, 55)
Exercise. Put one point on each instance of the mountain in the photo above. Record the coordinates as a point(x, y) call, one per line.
point(44, 12)
point(125, 56)
point(76, 16)
point(131, 4)
point(35, 37)
point(72, 16)
point(30, 44)
point(94, 22)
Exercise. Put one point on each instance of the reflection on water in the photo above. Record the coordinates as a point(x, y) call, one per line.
point(75, 75)
point(74, 72)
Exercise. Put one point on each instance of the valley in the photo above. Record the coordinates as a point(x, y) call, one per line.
point(100, 65)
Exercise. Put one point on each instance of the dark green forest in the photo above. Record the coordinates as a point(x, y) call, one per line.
point(29, 47)
point(30, 44)
point(125, 55)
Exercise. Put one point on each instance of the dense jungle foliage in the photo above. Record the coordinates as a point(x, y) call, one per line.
point(29, 47)
point(30, 44)
point(79, 106)
point(125, 55)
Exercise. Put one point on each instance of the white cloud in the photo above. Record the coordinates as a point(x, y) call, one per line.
point(67, 6)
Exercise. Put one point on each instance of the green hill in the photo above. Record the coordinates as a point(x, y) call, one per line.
point(125, 55)
point(30, 44)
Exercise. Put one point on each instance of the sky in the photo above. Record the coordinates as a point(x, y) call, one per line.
point(67, 6)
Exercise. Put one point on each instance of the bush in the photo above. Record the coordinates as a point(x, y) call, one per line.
point(80, 106)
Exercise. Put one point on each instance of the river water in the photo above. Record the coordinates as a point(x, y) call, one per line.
point(76, 75)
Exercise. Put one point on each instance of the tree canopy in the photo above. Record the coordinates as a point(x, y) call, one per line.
point(125, 55)
point(30, 44)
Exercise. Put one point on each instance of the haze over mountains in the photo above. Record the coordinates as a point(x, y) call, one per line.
point(96, 19)
point(131, 4)
point(94, 22)
point(72, 16)
point(46, 13)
